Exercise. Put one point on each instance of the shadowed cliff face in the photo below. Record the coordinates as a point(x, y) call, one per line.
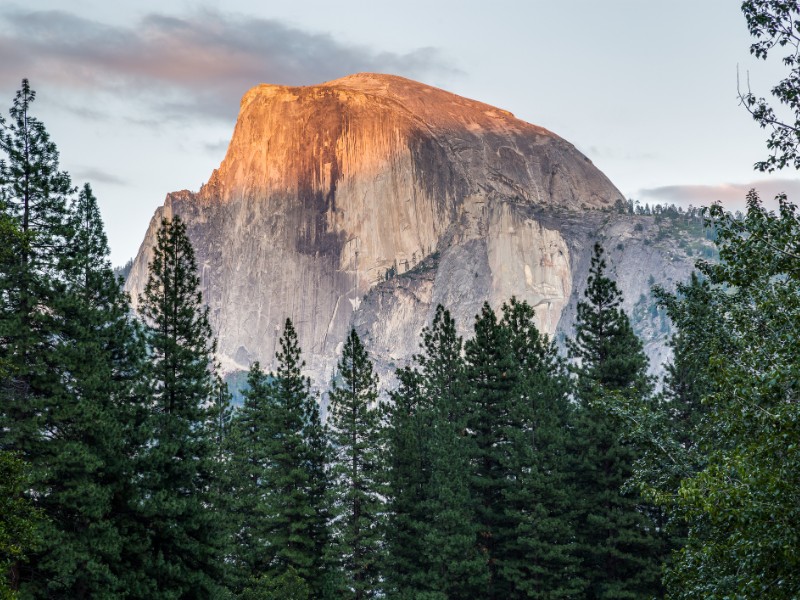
point(326, 189)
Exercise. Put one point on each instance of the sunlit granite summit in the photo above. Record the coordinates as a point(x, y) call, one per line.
point(368, 200)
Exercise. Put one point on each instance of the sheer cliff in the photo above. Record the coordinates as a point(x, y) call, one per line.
point(367, 200)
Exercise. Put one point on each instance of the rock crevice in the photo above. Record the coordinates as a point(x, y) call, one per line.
point(366, 201)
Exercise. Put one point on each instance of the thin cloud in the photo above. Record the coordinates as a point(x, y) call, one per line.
point(86, 113)
point(93, 175)
point(607, 152)
point(731, 195)
point(199, 64)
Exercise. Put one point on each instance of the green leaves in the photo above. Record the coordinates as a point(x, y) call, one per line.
point(774, 25)
point(742, 505)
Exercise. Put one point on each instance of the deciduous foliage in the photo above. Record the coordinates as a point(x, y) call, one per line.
point(775, 25)
point(741, 507)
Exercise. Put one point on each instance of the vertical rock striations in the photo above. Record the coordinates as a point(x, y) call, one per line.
point(368, 200)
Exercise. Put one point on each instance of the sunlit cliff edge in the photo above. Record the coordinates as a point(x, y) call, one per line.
point(367, 200)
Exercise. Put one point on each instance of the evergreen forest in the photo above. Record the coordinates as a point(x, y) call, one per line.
point(502, 466)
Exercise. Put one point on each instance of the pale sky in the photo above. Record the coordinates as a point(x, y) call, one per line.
point(141, 97)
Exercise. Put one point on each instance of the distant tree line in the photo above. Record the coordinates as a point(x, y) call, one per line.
point(692, 219)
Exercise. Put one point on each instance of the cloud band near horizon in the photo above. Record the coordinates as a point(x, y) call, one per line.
point(200, 64)
point(731, 195)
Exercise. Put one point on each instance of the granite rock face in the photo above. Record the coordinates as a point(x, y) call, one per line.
point(368, 200)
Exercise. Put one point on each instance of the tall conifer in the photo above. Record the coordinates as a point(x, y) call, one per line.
point(409, 472)
point(357, 474)
point(34, 198)
point(295, 521)
point(91, 469)
point(249, 445)
point(279, 452)
point(518, 424)
point(296, 453)
point(432, 532)
point(492, 380)
point(609, 354)
point(220, 429)
point(540, 559)
point(72, 355)
point(177, 460)
point(621, 546)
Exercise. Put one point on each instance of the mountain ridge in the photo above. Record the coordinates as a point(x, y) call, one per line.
point(327, 190)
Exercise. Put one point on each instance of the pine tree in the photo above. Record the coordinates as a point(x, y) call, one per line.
point(432, 533)
point(315, 462)
point(540, 559)
point(220, 421)
point(220, 427)
point(608, 351)
point(670, 430)
point(90, 469)
point(279, 452)
point(456, 567)
point(72, 355)
point(492, 380)
point(177, 460)
point(409, 472)
point(694, 312)
point(287, 586)
point(519, 417)
point(33, 197)
point(249, 442)
point(35, 194)
point(621, 548)
point(357, 474)
point(296, 461)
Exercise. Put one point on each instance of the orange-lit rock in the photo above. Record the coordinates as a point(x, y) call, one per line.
point(325, 189)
